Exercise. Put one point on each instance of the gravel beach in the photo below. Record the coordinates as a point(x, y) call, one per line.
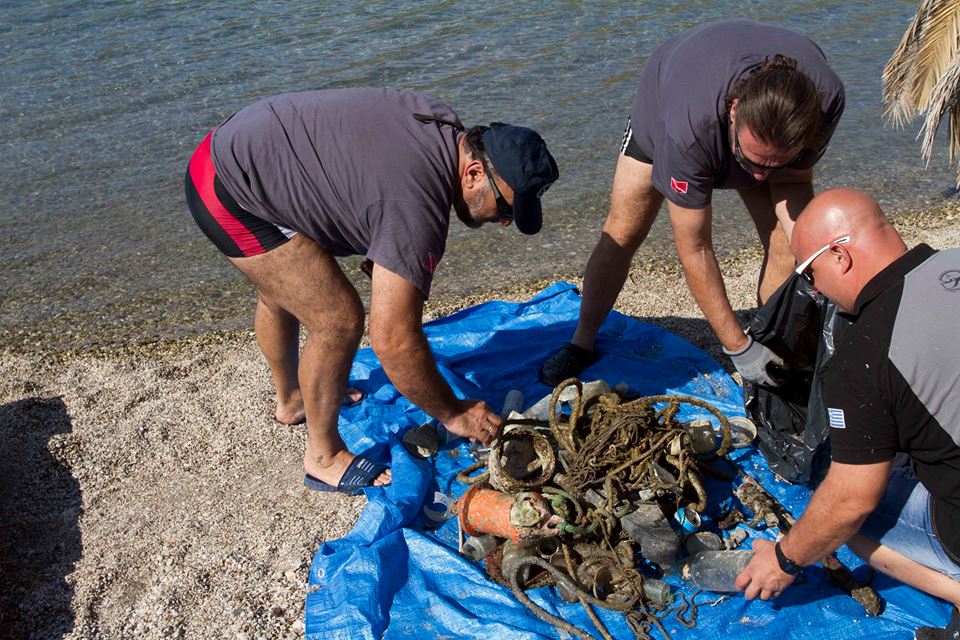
point(146, 491)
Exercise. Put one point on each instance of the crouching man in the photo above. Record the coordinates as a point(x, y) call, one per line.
point(892, 387)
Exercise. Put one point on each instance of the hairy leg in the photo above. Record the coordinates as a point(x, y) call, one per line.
point(634, 204)
point(304, 280)
point(278, 336)
point(893, 563)
point(778, 260)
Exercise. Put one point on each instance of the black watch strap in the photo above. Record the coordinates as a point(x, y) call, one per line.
point(787, 565)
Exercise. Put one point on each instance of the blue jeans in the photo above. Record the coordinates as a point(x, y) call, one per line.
point(902, 521)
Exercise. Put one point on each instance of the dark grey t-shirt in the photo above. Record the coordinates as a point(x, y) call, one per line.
point(679, 115)
point(350, 168)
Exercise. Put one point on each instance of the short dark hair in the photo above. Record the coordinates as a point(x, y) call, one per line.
point(474, 141)
point(778, 103)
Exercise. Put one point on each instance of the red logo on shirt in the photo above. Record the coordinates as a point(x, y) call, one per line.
point(430, 262)
point(678, 186)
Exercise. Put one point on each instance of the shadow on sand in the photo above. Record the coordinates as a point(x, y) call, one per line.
point(39, 520)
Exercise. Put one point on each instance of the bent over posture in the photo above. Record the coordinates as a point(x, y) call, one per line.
point(891, 387)
point(286, 185)
point(726, 105)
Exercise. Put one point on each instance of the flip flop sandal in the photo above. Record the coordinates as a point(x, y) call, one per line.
point(361, 473)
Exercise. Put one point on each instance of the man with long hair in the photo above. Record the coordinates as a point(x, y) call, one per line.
point(726, 105)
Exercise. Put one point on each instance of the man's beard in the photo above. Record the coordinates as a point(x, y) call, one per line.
point(466, 209)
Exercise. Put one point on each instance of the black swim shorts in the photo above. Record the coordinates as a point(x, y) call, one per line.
point(630, 148)
point(234, 230)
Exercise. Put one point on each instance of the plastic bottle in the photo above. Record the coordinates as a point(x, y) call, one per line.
point(511, 403)
point(716, 570)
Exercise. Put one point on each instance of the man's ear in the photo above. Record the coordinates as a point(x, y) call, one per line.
point(842, 255)
point(473, 174)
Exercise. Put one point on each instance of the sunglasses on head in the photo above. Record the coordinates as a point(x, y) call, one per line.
point(803, 266)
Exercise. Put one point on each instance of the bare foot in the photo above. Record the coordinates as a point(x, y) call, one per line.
point(291, 411)
point(332, 471)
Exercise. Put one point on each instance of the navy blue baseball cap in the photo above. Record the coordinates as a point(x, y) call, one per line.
point(521, 158)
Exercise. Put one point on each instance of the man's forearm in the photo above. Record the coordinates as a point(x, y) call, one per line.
point(706, 284)
point(833, 515)
point(409, 363)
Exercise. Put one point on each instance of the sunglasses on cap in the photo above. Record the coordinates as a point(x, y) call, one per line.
point(803, 266)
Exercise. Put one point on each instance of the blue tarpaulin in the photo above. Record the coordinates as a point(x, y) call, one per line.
point(395, 576)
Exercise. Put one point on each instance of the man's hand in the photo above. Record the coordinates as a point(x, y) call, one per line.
point(754, 362)
point(476, 421)
point(763, 576)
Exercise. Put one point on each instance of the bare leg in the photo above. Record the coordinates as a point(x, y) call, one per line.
point(905, 570)
point(304, 280)
point(778, 260)
point(278, 335)
point(634, 204)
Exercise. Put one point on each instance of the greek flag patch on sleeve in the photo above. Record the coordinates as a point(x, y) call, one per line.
point(836, 418)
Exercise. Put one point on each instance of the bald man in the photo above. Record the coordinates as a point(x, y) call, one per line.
point(892, 389)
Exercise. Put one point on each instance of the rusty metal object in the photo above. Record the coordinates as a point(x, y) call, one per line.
point(524, 517)
point(730, 519)
point(767, 508)
point(760, 503)
point(521, 459)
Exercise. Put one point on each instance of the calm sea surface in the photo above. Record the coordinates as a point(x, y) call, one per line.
point(103, 102)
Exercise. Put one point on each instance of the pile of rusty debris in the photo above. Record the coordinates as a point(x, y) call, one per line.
point(586, 484)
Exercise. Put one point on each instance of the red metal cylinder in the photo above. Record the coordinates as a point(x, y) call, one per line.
point(487, 511)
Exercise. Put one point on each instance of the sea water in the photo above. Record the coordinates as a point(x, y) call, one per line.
point(103, 103)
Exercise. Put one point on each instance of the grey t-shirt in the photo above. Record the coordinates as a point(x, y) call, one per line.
point(679, 115)
point(350, 168)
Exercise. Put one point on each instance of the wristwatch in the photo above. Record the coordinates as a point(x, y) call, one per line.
point(787, 565)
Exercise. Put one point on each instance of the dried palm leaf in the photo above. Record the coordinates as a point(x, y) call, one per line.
point(923, 74)
point(944, 99)
point(900, 106)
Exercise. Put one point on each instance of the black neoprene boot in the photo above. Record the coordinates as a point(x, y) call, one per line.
point(567, 362)
point(949, 632)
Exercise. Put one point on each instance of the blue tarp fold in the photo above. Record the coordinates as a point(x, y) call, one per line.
point(398, 575)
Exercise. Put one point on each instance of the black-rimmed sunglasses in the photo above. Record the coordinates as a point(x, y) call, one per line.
point(504, 210)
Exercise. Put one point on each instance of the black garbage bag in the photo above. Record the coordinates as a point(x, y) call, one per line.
point(792, 428)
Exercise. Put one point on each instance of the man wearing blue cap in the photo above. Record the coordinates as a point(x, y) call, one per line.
point(288, 184)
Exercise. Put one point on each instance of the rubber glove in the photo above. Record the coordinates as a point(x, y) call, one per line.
point(755, 362)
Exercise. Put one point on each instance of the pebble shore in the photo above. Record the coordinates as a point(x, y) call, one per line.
point(146, 491)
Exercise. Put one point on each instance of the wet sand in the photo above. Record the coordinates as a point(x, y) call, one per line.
point(146, 491)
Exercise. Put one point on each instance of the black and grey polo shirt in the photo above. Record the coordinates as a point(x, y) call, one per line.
point(893, 383)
